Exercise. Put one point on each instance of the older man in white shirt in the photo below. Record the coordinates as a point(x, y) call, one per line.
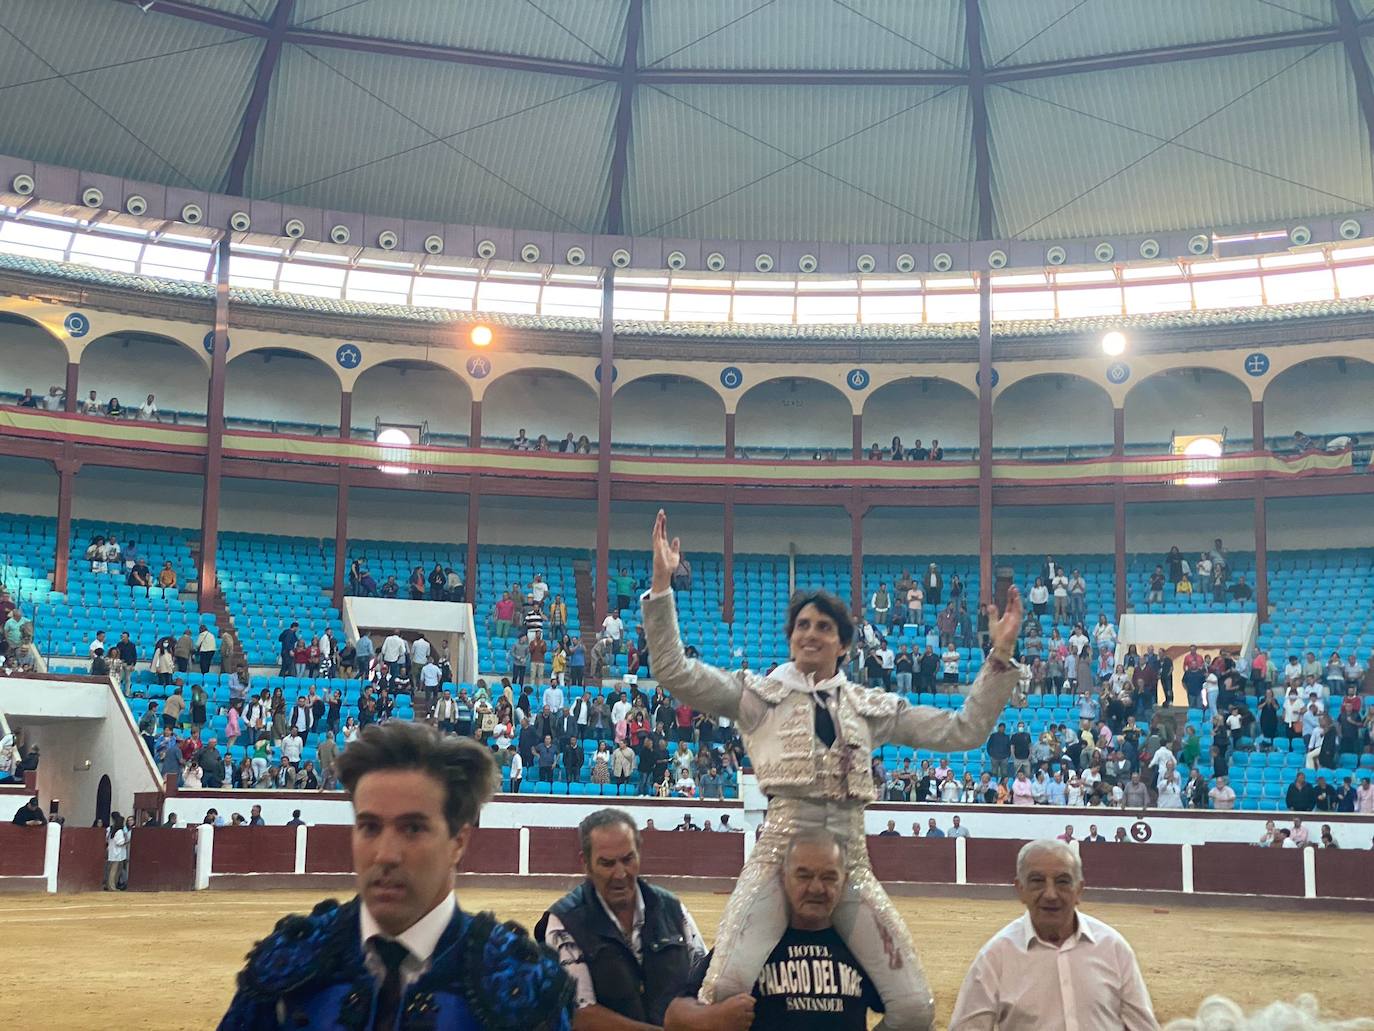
point(1053, 968)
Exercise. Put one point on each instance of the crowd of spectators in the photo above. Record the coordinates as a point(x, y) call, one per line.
point(566, 446)
point(897, 453)
point(17, 651)
point(55, 400)
point(441, 583)
point(1210, 574)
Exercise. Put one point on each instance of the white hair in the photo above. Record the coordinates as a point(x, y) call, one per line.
point(1218, 1013)
point(1052, 846)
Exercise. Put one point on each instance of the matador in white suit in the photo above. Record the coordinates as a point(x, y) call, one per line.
point(810, 733)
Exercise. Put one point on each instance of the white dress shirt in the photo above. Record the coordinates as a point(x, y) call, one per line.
point(1089, 983)
point(420, 939)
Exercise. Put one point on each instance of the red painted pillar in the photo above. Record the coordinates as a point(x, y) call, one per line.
point(206, 575)
point(341, 502)
point(727, 597)
point(73, 385)
point(856, 509)
point(729, 434)
point(474, 503)
point(475, 428)
point(1119, 511)
point(602, 584)
point(985, 581)
point(1261, 517)
point(66, 483)
point(858, 442)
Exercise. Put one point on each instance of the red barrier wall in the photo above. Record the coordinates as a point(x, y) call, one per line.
point(555, 849)
point(1151, 867)
point(1345, 874)
point(682, 853)
point(492, 850)
point(163, 859)
point(254, 850)
point(328, 849)
point(913, 859)
point(81, 859)
point(992, 860)
point(21, 850)
point(1247, 869)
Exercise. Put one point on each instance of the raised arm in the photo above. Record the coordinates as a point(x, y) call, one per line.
point(701, 686)
point(923, 726)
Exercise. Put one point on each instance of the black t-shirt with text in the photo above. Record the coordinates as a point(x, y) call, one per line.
point(811, 982)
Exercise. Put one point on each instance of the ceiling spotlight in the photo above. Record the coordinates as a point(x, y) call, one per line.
point(1114, 343)
point(480, 336)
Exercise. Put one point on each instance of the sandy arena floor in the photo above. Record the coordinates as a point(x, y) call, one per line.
point(102, 961)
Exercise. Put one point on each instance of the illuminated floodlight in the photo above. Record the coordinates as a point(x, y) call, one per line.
point(480, 336)
point(1202, 453)
point(1114, 343)
point(391, 437)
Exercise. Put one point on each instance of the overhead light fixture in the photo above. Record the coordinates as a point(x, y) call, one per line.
point(1114, 343)
point(480, 336)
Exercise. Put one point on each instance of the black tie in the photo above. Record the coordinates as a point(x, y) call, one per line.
point(391, 953)
point(825, 725)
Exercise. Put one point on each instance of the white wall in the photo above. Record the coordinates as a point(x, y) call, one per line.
point(1051, 411)
point(29, 357)
point(412, 394)
point(922, 409)
point(794, 413)
point(667, 410)
point(288, 387)
point(1187, 402)
point(1060, 529)
point(78, 752)
point(132, 369)
point(406, 516)
point(542, 401)
point(562, 524)
point(135, 496)
point(1157, 527)
point(918, 532)
point(1338, 522)
point(1317, 397)
point(27, 486)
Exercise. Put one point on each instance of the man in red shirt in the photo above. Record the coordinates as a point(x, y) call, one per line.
point(682, 716)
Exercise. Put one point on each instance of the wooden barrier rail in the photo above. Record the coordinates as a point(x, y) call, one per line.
point(187, 858)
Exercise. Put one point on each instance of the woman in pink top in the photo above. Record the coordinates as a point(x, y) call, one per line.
point(1021, 790)
point(231, 726)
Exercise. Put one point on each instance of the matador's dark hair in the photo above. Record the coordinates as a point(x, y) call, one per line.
point(464, 767)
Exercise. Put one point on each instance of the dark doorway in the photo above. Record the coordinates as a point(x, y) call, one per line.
point(102, 801)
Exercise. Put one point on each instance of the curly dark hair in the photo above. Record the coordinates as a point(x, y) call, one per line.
point(464, 767)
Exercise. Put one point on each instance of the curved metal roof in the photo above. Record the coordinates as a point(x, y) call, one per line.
point(843, 120)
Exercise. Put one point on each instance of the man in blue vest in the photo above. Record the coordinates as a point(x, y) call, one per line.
point(402, 955)
point(628, 945)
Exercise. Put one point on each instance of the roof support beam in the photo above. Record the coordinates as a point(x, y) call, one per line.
point(624, 119)
point(1359, 64)
point(746, 76)
point(257, 100)
point(982, 157)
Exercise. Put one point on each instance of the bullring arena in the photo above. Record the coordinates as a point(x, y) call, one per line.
point(349, 350)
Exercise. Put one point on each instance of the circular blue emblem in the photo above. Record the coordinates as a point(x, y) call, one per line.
point(349, 356)
point(731, 377)
point(479, 366)
point(978, 377)
point(209, 343)
point(857, 379)
point(1257, 363)
point(1118, 372)
point(77, 324)
point(615, 374)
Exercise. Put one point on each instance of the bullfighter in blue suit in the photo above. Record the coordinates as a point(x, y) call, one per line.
point(402, 956)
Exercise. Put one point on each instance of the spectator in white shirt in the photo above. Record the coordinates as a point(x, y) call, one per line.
point(614, 629)
point(393, 651)
point(1054, 968)
point(553, 698)
point(420, 652)
point(1223, 796)
point(949, 665)
point(539, 590)
point(431, 676)
point(147, 411)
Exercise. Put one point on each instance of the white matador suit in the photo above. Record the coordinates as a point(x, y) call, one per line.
point(812, 785)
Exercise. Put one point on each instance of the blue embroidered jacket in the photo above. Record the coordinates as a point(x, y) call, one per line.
point(483, 976)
